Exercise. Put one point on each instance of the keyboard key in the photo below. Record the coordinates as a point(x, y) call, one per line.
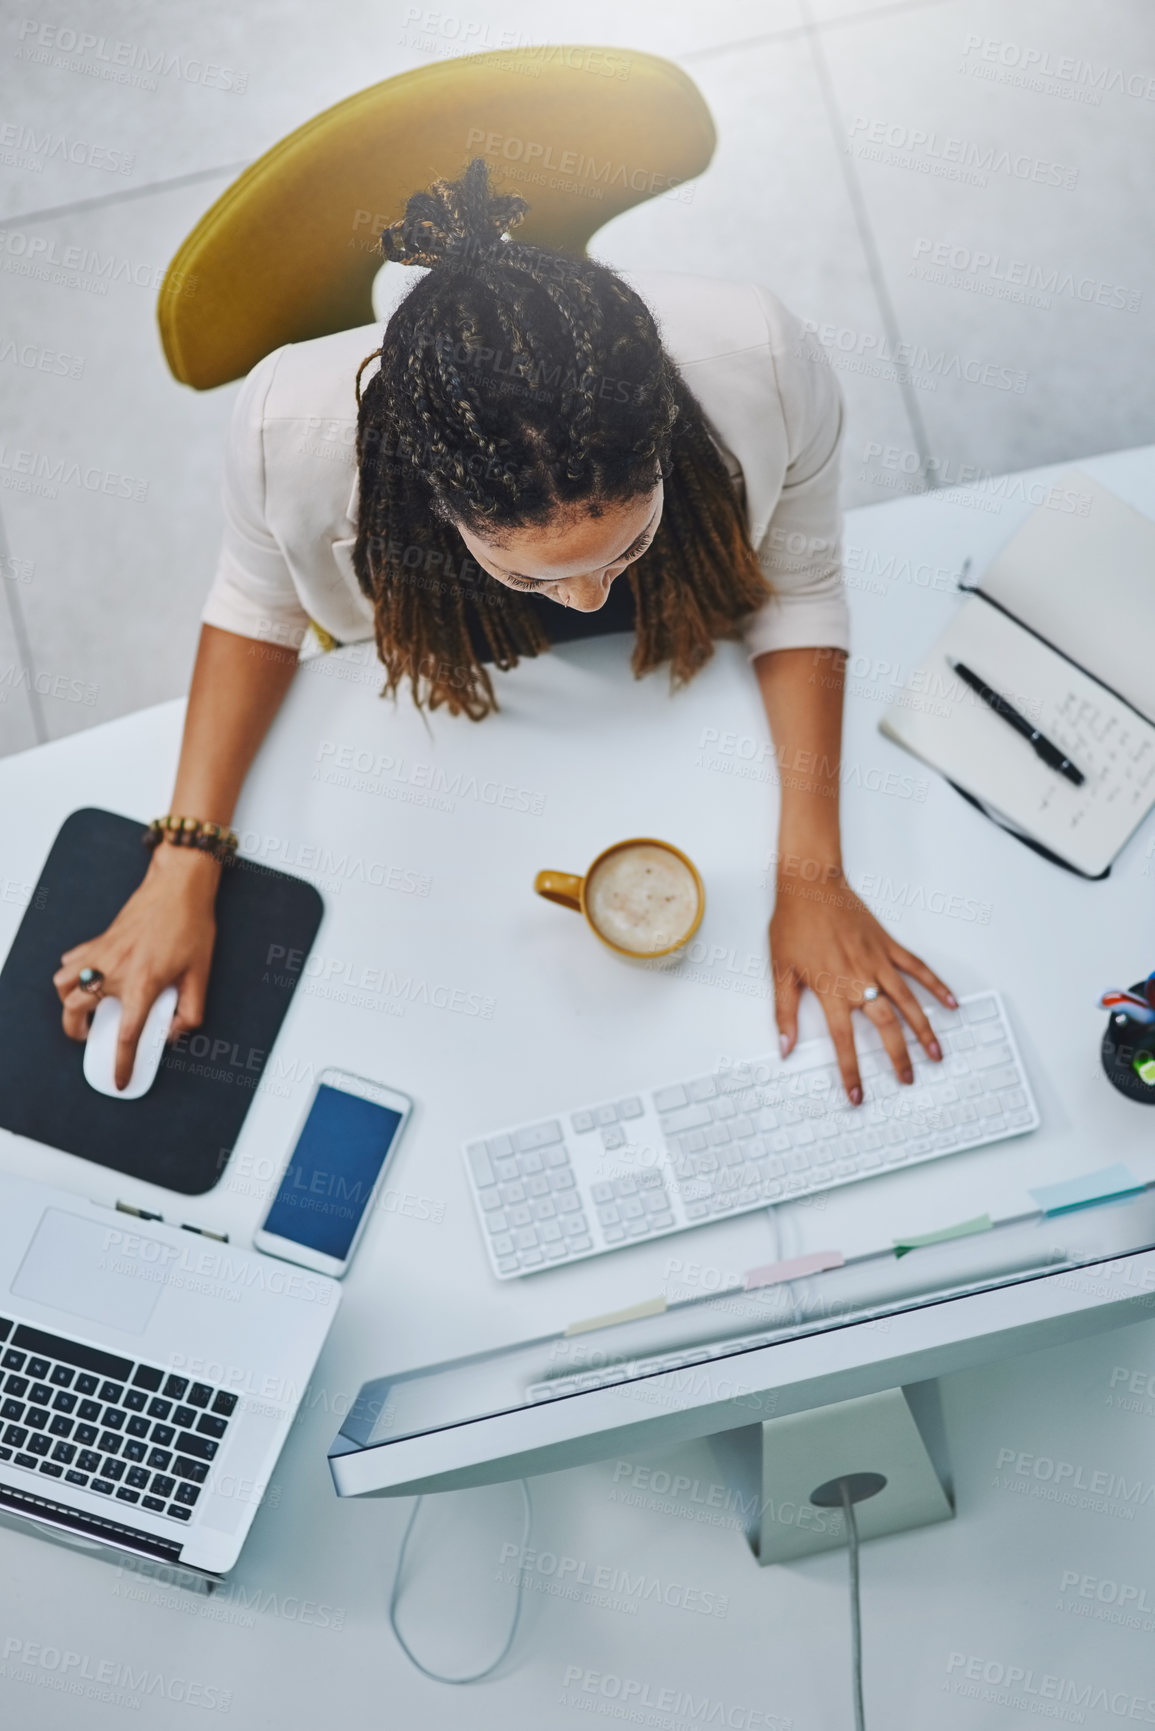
point(704, 1088)
point(110, 1443)
point(667, 1099)
point(159, 1460)
point(60, 1426)
point(113, 1418)
point(40, 1393)
point(498, 1221)
point(500, 1145)
point(507, 1170)
point(156, 1504)
point(15, 1436)
point(162, 1435)
point(61, 1376)
point(185, 1415)
point(17, 1386)
point(111, 1392)
point(64, 1452)
point(73, 1477)
point(86, 1383)
point(602, 1192)
point(529, 1164)
point(575, 1226)
point(686, 1118)
point(579, 1244)
point(202, 1447)
point(613, 1136)
point(37, 1367)
point(479, 1164)
point(179, 1514)
point(12, 1360)
point(138, 1477)
point(12, 1409)
point(112, 1469)
point(562, 1180)
point(88, 1460)
point(134, 1450)
point(51, 1469)
point(188, 1494)
point(537, 1136)
point(175, 1387)
point(198, 1395)
point(980, 1010)
point(582, 1121)
point(103, 1487)
point(124, 1495)
point(162, 1485)
point(40, 1445)
point(631, 1108)
point(135, 1399)
point(490, 1200)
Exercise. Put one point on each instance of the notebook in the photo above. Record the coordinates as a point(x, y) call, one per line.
point(1061, 625)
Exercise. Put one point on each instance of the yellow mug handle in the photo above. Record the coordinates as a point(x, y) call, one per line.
point(560, 887)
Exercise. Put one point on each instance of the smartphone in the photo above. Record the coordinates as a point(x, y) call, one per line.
point(319, 1212)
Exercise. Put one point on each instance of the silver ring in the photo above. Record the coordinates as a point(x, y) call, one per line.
point(91, 980)
point(869, 994)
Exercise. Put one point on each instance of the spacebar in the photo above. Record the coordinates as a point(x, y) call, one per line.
point(72, 1352)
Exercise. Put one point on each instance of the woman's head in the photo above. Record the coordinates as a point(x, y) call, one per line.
point(527, 426)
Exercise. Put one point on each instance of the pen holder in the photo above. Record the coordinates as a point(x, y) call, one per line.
point(1122, 1039)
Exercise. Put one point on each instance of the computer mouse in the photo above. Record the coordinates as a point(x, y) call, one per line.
point(100, 1047)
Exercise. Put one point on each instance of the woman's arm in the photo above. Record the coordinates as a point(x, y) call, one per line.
point(165, 932)
point(821, 934)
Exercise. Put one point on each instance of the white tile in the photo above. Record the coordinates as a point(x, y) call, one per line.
point(1015, 185)
point(18, 719)
point(160, 92)
point(110, 470)
point(773, 207)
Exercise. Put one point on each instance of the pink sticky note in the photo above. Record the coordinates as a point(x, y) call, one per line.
point(794, 1268)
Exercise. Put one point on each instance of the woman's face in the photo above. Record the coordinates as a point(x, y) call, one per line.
point(575, 557)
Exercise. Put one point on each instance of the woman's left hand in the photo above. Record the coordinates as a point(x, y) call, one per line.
point(824, 937)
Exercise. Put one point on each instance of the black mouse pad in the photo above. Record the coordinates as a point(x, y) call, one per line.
point(180, 1133)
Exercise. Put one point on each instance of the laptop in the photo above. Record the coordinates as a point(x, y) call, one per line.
point(148, 1378)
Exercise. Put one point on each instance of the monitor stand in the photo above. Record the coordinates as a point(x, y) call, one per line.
point(775, 1468)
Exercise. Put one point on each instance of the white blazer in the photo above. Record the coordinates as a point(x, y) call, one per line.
point(291, 488)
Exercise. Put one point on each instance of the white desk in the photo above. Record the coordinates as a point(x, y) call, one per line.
point(580, 755)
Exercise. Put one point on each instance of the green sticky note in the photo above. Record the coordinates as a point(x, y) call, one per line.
point(916, 1240)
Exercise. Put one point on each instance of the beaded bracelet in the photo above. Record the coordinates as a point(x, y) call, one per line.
point(212, 838)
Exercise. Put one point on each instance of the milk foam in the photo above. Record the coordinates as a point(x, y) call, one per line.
point(643, 899)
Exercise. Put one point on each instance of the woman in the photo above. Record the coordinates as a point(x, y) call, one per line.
point(529, 465)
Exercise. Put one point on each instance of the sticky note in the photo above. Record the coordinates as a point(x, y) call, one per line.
point(964, 1228)
point(794, 1268)
point(632, 1313)
point(1098, 1186)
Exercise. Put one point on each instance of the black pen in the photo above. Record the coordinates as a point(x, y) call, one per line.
point(1050, 754)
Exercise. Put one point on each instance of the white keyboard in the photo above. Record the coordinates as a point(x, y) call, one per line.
point(744, 1137)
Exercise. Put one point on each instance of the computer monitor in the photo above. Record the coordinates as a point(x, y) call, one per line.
point(705, 1366)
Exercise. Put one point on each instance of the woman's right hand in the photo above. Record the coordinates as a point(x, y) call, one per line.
point(162, 936)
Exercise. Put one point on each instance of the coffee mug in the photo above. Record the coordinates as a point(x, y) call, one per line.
point(643, 898)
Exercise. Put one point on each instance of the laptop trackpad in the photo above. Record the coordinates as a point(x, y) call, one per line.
point(73, 1265)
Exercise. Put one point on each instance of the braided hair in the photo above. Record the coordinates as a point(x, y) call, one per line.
point(514, 383)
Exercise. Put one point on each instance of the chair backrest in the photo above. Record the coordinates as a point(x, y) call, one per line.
point(290, 250)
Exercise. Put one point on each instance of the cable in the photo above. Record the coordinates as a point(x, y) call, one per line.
point(395, 1594)
point(855, 1612)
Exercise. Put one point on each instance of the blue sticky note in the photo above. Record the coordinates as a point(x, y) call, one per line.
point(1091, 1187)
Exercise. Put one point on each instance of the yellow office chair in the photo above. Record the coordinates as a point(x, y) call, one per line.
point(290, 250)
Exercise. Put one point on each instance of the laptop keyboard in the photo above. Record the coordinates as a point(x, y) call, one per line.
point(128, 1431)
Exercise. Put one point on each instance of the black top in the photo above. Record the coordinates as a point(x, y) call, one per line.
point(565, 624)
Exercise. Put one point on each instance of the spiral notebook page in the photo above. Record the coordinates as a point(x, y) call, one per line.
point(954, 731)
